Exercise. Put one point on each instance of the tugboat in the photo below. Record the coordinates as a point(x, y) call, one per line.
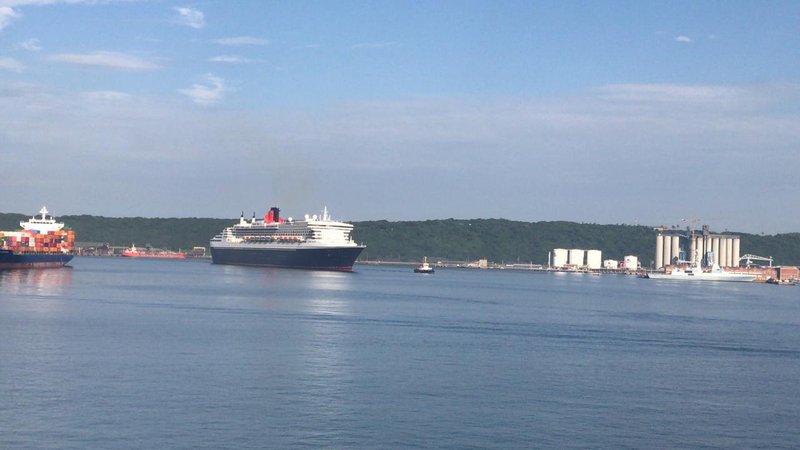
point(425, 267)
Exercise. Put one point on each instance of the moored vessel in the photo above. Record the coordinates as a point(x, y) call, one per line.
point(42, 242)
point(133, 252)
point(696, 273)
point(316, 242)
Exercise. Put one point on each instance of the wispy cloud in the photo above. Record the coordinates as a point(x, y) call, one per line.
point(11, 64)
point(229, 59)
point(206, 94)
point(111, 60)
point(191, 17)
point(241, 40)
point(684, 39)
point(7, 15)
point(108, 95)
point(662, 93)
point(32, 45)
point(373, 45)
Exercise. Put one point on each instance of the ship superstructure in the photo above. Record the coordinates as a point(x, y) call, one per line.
point(316, 242)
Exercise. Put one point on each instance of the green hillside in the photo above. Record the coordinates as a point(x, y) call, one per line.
point(497, 240)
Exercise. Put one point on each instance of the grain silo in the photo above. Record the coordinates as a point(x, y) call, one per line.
point(659, 251)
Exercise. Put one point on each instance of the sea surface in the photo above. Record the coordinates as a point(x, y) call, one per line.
point(116, 353)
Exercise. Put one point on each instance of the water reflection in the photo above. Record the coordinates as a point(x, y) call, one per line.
point(329, 292)
point(38, 282)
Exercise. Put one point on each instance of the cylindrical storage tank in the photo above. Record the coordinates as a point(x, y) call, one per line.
point(610, 264)
point(715, 250)
point(631, 262)
point(692, 256)
point(723, 252)
point(659, 251)
point(736, 249)
point(559, 257)
point(576, 257)
point(676, 247)
point(667, 251)
point(594, 259)
point(729, 252)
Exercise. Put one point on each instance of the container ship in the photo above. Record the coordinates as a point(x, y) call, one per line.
point(42, 242)
point(312, 243)
point(133, 252)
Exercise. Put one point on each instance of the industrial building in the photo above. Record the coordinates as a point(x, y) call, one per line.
point(677, 247)
point(576, 258)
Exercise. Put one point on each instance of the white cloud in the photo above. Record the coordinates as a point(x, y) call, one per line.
point(206, 94)
point(191, 17)
point(108, 95)
point(660, 93)
point(229, 59)
point(31, 45)
point(241, 40)
point(111, 60)
point(689, 138)
point(11, 64)
point(684, 39)
point(7, 15)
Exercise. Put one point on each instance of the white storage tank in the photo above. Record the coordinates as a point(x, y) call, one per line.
point(559, 257)
point(631, 262)
point(594, 259)
point(576, 257)
point(610, 264)
point(667, 251)
point(659, 251)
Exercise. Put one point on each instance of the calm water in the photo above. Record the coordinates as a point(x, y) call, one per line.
point(117, 353)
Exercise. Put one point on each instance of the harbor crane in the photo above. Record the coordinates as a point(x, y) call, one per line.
point(748, 259)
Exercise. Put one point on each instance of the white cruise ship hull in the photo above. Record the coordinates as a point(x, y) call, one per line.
point(704, 276)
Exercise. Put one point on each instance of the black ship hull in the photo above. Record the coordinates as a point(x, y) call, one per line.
point(317, 258)
point(12, 260)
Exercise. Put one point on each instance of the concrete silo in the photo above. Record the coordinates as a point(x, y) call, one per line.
point(676, 247)
point(715, 249)
point(736, 249)
point(659, 251)
point(667, 251)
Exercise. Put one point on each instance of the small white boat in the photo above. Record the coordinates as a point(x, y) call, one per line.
point(425, 267)
point(695, 273)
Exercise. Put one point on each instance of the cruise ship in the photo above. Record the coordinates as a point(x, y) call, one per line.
point(316, 242)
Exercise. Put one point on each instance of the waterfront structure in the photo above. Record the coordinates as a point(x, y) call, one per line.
point(631, 262)
point(576, 257)
point(594, 259)
point(559, 258)
point(700, 247)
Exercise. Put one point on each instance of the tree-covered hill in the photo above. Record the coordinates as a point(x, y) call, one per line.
point(497, 240)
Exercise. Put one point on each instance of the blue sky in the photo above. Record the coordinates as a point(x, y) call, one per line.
point(607, 112)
